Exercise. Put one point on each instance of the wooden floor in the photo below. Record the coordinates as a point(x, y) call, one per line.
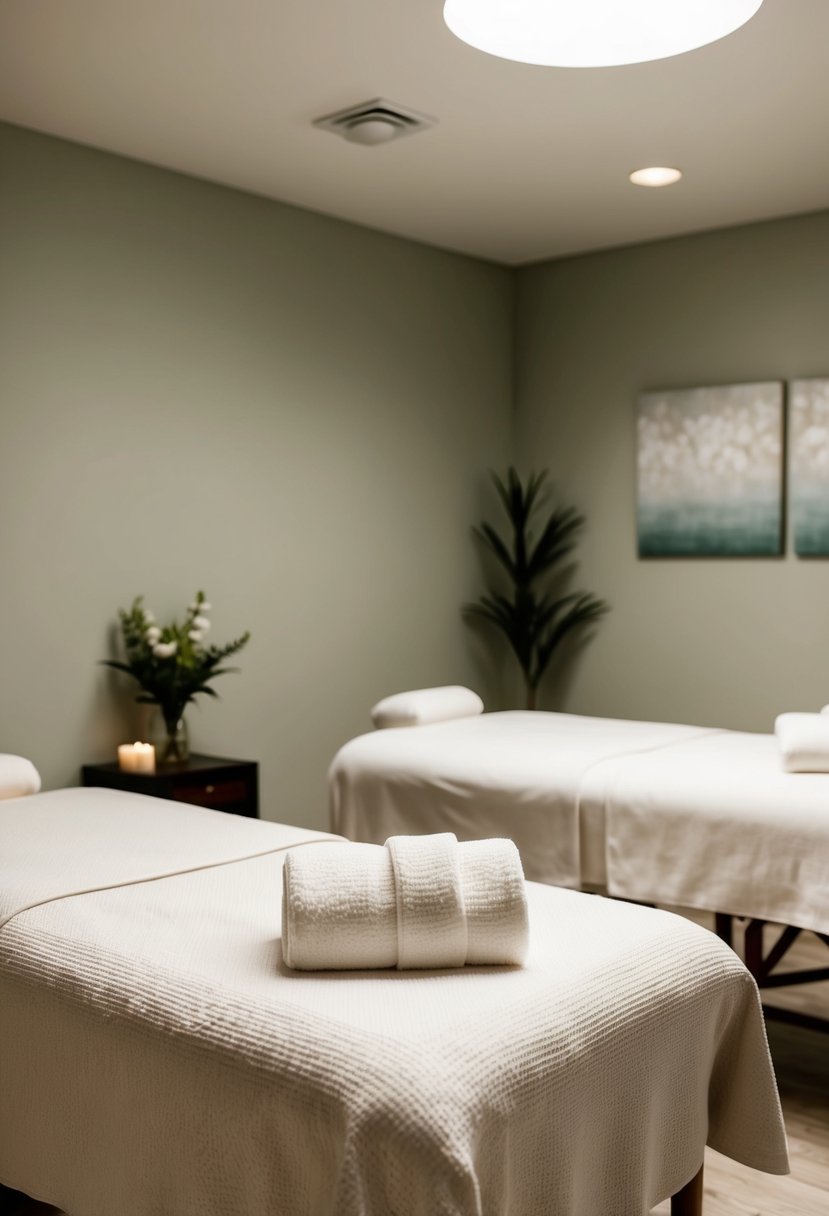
point(801, 1060)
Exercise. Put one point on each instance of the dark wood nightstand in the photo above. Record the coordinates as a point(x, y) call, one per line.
point(222, 785)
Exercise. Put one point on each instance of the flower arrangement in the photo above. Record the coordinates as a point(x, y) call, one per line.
point(171, 663)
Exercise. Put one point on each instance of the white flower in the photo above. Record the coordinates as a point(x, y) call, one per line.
point(194, 607)
point(195, 635)
point(165, 650)
point(153, 635)
point(149, 617)
point(202, 623)
point(204, 606)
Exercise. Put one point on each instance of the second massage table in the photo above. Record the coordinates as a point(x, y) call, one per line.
point(654, 812)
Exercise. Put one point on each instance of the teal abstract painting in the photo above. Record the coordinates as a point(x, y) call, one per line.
point(710, 473)
point(809, 435)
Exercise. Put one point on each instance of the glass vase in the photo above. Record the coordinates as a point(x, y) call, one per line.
point(170, 739)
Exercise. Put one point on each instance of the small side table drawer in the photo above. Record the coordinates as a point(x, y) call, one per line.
point(218, 794)
point(211, 781)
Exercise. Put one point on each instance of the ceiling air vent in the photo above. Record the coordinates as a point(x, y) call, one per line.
point(375, 122)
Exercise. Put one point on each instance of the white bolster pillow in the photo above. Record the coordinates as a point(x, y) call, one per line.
point(415, 902)
point(803, 740)
point(423, 705)
point(18, 776)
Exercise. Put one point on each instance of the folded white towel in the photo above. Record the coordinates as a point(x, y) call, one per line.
point(825, 709)
point(415, 902)
point(804, 742)
point(423, 705)
point(431, 917)
point(18, 777)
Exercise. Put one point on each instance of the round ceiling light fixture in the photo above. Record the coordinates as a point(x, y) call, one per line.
point(655, 175)
point(593, 33)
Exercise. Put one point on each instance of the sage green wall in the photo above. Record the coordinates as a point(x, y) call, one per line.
point(204, 389)
point(725, 642)
point(200, 388)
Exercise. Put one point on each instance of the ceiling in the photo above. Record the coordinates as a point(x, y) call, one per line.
point(525, 163)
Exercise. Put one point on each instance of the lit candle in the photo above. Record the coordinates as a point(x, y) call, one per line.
point(136, 758)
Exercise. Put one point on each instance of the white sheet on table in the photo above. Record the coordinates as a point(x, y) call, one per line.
point(503, 774)
point(156, 1056)
point(76, 840)
point(715, 823)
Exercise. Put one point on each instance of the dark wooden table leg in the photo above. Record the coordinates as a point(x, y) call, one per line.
point(688, 1201)
point(724, 927)
point(753, 949)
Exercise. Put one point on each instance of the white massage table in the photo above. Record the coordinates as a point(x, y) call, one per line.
point(654, 812)
point(158, 1059)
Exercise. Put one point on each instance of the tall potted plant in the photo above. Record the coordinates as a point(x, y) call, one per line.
point(534, 620)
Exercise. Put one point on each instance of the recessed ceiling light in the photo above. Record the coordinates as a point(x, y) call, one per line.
point(656, 175)
point(593, 33)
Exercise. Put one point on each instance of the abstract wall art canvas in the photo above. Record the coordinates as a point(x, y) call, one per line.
point(710, 471)
point(809, 467)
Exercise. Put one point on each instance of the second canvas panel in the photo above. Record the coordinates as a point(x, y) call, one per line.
point(809, 437)
point(710, 471)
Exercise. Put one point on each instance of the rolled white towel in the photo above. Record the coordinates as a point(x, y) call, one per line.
point(18, 777)
point(492, 880)
point(415, 902)
point(423, 705)
point(804, 742)
point(339, 907)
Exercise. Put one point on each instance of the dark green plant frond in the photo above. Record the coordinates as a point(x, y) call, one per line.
point(505, 616)
point(118, 666)
point(535, 481)
point(490, 539)
point(555, 542)
point(503, 492)
point(584, 610)
point(518, 500)
point(224, 652)
point(500, 614)
point(511, 494)
point(548, 609)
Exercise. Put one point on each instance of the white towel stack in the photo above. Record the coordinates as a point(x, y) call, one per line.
point(415, 902)
point(803, 740)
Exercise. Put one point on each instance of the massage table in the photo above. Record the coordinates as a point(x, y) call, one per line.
point(157, 1058)
point(653, 812)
